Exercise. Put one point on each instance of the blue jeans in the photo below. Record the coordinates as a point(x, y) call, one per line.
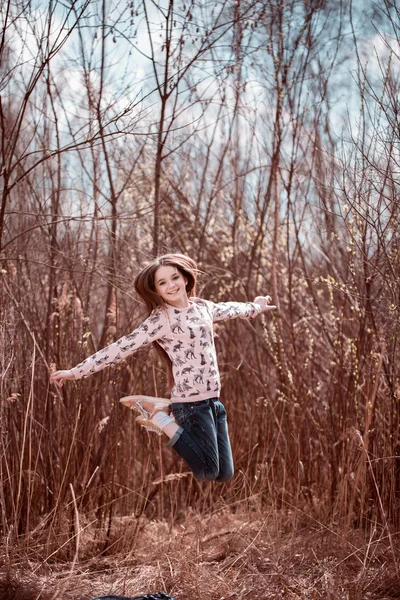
point(202, 439)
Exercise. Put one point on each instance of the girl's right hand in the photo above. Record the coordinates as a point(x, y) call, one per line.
point(58, 377)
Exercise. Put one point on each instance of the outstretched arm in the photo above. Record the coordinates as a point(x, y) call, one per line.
point(149, 331)
point(223, 311)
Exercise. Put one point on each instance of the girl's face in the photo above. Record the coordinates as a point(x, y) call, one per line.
point(170, 284)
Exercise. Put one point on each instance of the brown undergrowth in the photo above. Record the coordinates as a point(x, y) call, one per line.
point(220, 557)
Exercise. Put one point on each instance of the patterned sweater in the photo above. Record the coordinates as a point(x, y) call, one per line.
point(187, 336)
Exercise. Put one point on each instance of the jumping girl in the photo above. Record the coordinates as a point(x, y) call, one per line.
point(194, 419)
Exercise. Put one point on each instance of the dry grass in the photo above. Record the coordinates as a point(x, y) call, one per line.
point(224, 556)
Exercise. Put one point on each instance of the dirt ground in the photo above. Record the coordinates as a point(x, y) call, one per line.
point(222, 557)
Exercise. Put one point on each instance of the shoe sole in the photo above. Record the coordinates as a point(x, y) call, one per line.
point(135, 402)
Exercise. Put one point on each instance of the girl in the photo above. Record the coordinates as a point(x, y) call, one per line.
point(182, 327)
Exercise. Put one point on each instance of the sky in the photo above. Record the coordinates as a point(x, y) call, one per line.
point(129, 81)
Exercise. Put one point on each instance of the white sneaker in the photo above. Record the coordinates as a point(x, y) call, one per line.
point(148, 425)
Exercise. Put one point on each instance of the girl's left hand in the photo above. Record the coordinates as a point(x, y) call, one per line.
point(265, 303)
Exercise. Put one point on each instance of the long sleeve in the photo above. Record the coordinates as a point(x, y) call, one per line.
point(152, 329)
point(222, 311)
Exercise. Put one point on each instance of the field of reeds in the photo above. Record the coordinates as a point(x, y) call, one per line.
point(271, 194)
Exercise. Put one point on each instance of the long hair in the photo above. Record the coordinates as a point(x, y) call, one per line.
point(145, 287)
